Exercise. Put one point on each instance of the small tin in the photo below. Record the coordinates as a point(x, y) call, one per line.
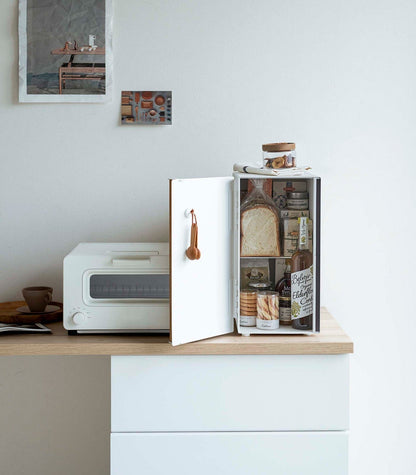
point(297, 200)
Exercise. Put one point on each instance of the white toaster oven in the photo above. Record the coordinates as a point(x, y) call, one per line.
point(117, 288)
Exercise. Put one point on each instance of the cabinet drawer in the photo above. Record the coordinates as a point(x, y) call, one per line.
point(229, 393)
point(241, 453)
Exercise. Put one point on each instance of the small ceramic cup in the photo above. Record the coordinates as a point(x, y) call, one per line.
point(37, 298)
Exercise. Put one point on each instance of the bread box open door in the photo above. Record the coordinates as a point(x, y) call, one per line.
point(201, 290)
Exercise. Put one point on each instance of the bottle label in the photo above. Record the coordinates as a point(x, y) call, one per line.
point(302, 293)
point(303, 233)
point(285, 314)
point(285, 291)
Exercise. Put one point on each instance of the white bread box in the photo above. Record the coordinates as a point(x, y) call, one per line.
point(205, 292)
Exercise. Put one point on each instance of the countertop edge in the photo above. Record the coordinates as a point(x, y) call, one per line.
point(332, 340)
point(100, 349)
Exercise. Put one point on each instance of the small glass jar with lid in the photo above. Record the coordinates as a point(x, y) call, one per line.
point(279, 155)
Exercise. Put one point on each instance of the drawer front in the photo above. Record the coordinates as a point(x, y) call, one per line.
point(229, 393)
point(242, 453)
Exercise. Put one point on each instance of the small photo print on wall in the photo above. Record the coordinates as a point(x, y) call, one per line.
point(65, 50)
point(146, 107)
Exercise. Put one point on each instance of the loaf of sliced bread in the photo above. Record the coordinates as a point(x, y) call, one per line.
point(259, 232)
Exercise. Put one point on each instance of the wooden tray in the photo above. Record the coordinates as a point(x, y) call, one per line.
point(9, 314)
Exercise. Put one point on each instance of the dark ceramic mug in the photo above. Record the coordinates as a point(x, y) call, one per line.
point(37, 298)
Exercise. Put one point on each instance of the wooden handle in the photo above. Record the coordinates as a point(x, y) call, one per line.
point(193, 253)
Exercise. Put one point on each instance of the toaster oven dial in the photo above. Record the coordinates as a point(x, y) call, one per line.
point(78, 318)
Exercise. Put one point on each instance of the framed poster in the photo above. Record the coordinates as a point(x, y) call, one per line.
point(65, 50)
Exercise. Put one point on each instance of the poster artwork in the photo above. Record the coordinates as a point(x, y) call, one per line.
point(65, 50)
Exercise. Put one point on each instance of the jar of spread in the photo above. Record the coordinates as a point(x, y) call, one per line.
point(297, 200)
point(285, 311)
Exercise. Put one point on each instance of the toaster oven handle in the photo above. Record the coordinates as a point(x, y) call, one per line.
point(131, 262)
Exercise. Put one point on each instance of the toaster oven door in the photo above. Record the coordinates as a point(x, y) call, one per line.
point(132, 300)
point(110, 287)
point(121, 287)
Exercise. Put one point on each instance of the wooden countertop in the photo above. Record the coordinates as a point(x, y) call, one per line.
point(331, 341)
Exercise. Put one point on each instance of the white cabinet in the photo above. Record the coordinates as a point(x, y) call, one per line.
point(205, 292)
point(243, 453)
point(229, 393)
point(230, 414)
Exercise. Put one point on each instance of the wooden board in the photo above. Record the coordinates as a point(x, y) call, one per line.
point(78, 51)
point(331, 341)
point(126, 110)
point(9, 314)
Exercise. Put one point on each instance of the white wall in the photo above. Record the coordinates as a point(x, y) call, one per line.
point(337, 77)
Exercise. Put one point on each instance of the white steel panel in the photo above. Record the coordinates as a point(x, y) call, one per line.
point(229, 393)
point(270, 453)
point(201, 289)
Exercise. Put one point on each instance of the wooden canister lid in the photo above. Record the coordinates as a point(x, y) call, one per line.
point(279, 147)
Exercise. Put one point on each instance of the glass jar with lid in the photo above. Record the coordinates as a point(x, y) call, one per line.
point(279, 155)
point(267, 310)
point(248, 308)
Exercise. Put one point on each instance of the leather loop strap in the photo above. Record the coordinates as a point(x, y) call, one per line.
point(193, 253)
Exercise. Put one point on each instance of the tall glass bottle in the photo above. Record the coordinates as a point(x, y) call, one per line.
point(284, 284)
point(302, 281)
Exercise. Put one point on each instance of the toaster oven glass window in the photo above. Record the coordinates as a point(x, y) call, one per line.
point(129, 286)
